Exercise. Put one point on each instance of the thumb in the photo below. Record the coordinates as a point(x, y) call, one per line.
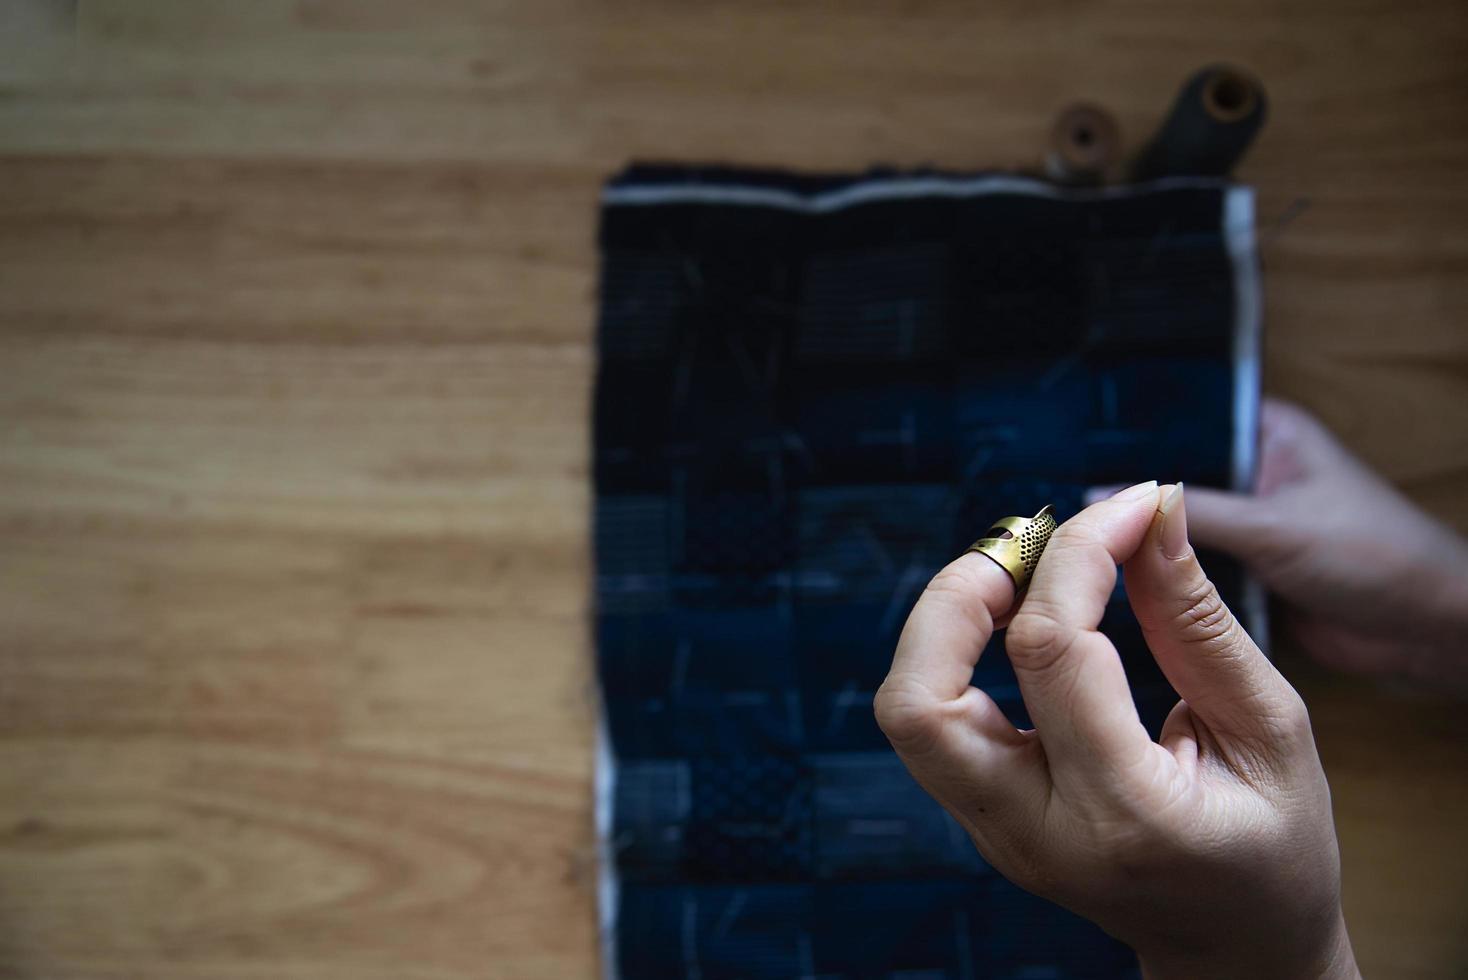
point(1226, 680)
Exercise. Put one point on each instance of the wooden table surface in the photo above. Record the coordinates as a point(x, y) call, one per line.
point(295, 351)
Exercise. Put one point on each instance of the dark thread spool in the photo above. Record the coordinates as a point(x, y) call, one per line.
point(1214, 120)
point(1085, 144)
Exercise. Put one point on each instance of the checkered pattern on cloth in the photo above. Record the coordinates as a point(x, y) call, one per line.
point(811, 394)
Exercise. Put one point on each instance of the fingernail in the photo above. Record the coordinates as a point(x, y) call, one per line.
point(1173, 535)
point(1137, 492)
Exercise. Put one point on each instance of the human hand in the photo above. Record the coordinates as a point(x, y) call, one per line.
point(1372, 584)
point(1211, 852)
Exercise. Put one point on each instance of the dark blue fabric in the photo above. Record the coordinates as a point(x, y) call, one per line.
point(800, 416)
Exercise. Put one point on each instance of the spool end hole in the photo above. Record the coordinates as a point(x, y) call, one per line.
point(1229, 96)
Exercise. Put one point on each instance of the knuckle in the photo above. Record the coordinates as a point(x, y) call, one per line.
point(1295, 716)
point(1205, 619)
point(958, 585)
point(1037, 639)
point(908, 714)
point(1074, 534)
point(951, 580)
point(1206, 623)
point(1280, 740)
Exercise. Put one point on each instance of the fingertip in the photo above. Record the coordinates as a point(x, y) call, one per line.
point(1166, 564)
point(1135, 492)
point(1115, 491)
point(1119, 521)
point(1172, 523)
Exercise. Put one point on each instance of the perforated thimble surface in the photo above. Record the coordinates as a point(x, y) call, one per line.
point(1015, 544)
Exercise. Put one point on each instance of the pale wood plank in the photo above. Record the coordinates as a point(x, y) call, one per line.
point(295, 320)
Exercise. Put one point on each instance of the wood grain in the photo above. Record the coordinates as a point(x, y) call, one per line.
point(295, 319)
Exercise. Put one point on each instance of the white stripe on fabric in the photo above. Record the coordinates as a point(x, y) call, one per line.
point(1239, 238)
point(878, 190)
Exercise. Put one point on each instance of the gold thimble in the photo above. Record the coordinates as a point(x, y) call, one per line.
point(1016, 543)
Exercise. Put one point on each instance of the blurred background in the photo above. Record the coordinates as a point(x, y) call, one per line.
point(296, 313)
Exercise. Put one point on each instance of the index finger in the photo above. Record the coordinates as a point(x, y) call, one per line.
point(927, 689)
point(951, 624)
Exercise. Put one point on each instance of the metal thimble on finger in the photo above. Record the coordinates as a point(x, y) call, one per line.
point(1016, 543)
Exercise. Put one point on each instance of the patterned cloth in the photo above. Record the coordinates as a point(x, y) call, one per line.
point(812, 393)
